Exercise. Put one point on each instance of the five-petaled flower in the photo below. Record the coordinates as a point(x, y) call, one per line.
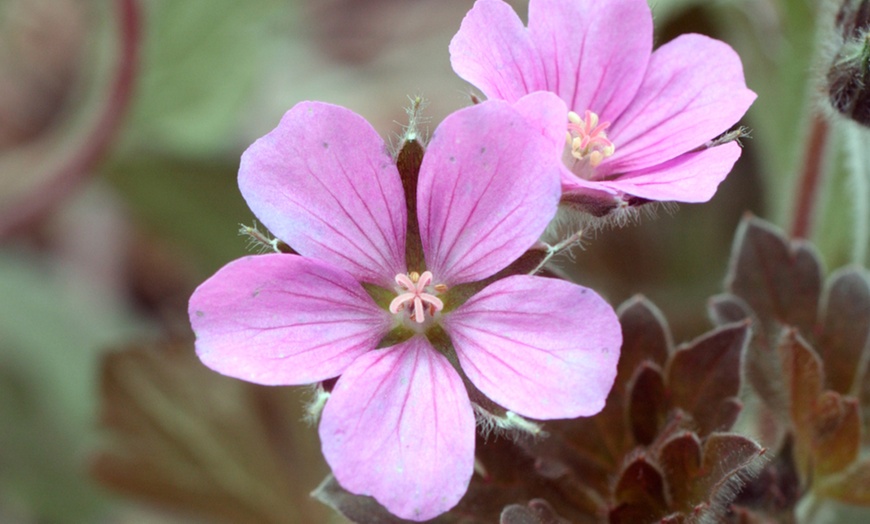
point(641, 124)
point(399, 424)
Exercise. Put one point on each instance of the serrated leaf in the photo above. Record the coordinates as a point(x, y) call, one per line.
point(851, 487)
point(729, 461)
point(511, 472)
point(703, 377)
point(776, 490)
point(837, 437)
point(647, 403)
point(780, 280)
point(845, 326)
point(186, 437)
point(639, 493)
point(703, 477)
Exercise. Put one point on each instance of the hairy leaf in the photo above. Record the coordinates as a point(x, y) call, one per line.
point(802, 379)
point(780, 280)
point(705, 476)
point(845, 326)
point(639, 494)
point(645, 337)
point(537, 511)
point(704, 377)
point(647, 403)
point(837, 433)
point(681, 458)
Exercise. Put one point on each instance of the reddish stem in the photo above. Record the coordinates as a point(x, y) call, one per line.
point(811, 173)
point(41, 199)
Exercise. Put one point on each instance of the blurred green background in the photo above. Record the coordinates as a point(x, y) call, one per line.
point(121, 126)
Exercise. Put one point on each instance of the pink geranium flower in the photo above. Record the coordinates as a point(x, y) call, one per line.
point(399, 424)
point(641, 123)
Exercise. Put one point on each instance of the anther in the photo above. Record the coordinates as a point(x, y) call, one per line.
point(588, 139)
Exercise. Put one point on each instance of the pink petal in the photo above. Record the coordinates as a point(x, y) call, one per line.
point(492, 51)
point(694, 90)
point(594, 52)
point(399, 427)
point(488, 187)
point(693, 177)
point(541, 347)
point(546, 112)
point(283, 319)
point(324, 182)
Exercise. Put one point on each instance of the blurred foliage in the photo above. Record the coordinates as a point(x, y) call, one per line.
point(213, 75)
point(52, 329)
point(205, 444)
point(200, 61)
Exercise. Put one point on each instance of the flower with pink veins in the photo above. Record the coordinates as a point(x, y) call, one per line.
point(641, 124)
point(385, 306)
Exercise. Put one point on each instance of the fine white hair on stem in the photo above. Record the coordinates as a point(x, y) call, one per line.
point(317, 397)
point(258, 240)
point(510, 425)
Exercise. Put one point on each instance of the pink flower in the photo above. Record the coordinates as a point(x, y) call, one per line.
point(399, 424)
point(641, 122)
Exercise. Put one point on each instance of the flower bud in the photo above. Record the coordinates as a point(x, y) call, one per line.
point(849, 75)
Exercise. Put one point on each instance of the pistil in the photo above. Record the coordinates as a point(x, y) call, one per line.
point(415, 297)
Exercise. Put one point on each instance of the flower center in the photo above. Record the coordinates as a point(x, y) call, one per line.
point(587, 139)
point(414, 297)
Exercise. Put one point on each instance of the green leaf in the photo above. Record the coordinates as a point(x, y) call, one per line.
point(53, 327)
point(200, 62)
point(196, 205)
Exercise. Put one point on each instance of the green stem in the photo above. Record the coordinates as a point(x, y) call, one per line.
point(858, 163)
